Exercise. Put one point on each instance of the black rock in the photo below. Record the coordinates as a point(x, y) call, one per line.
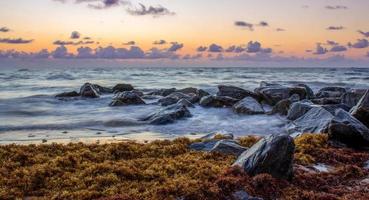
point(89, 90)
point(168, 115)
point(248, 105)
point(162, 92)
point(273, 155)
point(121, 87)
point(175, 97)
point(352, 97)
point(218, 101)
point(327, 100)
point(102, 89)
point(283, 106)
point(361, 110)
point(68, 94)
point(329, 92)
point(235, 92)
point(126, 98)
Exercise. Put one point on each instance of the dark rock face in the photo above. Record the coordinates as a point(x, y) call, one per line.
point(347, 130)
point(163, 92)
point(88, 90)
point(361, 110)
point(273, 155)
point(168, 115)
point(235, 92)
point(126, 98)
point(248, 105)
point(273, 93)
point(102, 89)
point(68, 94)
point(197, 92)
point(328, 92)
point(327, 100)
point(352, 97)
point(175, 97)
point(222, 146)
point(185, 102)
point(283, 106)
point(309, 91)
point(121, 87)
point(211, 136)
point(217, 101)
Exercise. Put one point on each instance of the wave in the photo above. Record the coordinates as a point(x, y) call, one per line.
point(63, 76)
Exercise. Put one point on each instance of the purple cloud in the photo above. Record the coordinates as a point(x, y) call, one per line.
point(253, 47)
point(201, 49)
point(61, 52)
point(279, 29)
point(175, 47)
point(359, 44)
point(15, 41)
point(320, 50)
point(244, 25)
point(66, 43)
point(365, 34)
point(156, 53)
point(159, 42)
point(151, 10)
point(214, 48)
point(335, 28)
point(263, 23)
point(338, 48)
point(337, 7)
point(4, 29)
point(129, 43)
point(75, 35)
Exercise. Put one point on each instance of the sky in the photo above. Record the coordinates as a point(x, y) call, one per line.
point(188, 31)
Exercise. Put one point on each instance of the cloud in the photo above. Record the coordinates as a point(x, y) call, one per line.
point(253, 47)
point(87, 38)
point(15, 41)
point(244, 25)
point(337, 7)
point(104, 4)
point(75, 35)
point(4, 29)
point(279, 29)
point(367, 54)
point(156, 53)
point(263, 23)
point(331, 43)
point(338, 48)
point(66, 43)
point(151, 10)
point(335, 28)
point(201, 49)
point(214, 48)
point(159, 42)
point(44, 53)
point(129, 43)
point(359, 44)
point(192, 57)
point(235, 49)
point(320, 50)
point(175, 46)
point(365, 34)
point(61, 52)
point(85, 52)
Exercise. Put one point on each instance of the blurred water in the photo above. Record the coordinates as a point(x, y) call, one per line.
point(29, 111)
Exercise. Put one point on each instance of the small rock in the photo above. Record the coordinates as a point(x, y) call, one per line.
point(89, 91)
point(68, 94)
point(168, 115)
point(121, 87)
point(163, 92)
point(228, 147)
point(235, 92)
point(248, 105)
point(217, 101)
point(44, 140)
point(126, 98)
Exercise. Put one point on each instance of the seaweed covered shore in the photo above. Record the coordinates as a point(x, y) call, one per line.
point(172, 170)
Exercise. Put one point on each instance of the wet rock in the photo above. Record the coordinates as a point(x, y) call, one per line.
point(102, 89)
point(126, 98)
point(352, 97)
point(163, 92)
point(235, 92)
point(273, 155)
point(333, 107)
point(327, 100)
point(175, 97)
point(273, 93)
point(88, 90)
point(198, 92)
point(309, 91)
point(361, 110)
point(217, 101)
point(283, 106)
point(248, 105)
point(121, 87)
point(68, 94)
point(329, 92)
point(203, 146)
point(185, 102)
point(348, 130)
point(168, 115)
point(243, 195)
point(228, 147)
point(213, 136)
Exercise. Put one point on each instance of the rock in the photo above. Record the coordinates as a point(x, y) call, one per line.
point(126, 98)
point(168, 115)
point(361, 110)
point(185, 102)
point(88, 90)
point(214, 136)
point(175, 97)
point(298, 109)
point(217, 101)
point(273, 155)
point(283, 106)
point(273, 93)
point(328, 92)
point(121, 87)
point(333, 107)
point(228, 147)
point(248, 105)
point(348, 130)
point(198, 92)
point(203, 146)
point(162, 92)
point(235, 92)
point(102, 89)
point(316, 120)
point(68, 94)
point(309, 91)
point(352, 97)
point(327, 100)
point(243, 195)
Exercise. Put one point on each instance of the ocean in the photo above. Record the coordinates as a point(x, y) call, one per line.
point(29, 112)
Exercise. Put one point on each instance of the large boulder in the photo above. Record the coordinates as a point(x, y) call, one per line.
point(217, 101)
point(199, 93)
point(329, 92)
point(168, 115)
point(273, 93)
point(127, 98)
point(273, 155)
point(162, 92)
point(348, 130)
point(88, 90)
point(361, 110)
point(235, 92)
point(121, 87)
point(67, 94)
point(283, 106)
point(248, 105)
point(352, 97)
point(175, 97)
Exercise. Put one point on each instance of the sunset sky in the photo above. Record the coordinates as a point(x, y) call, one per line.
point(185, 29)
